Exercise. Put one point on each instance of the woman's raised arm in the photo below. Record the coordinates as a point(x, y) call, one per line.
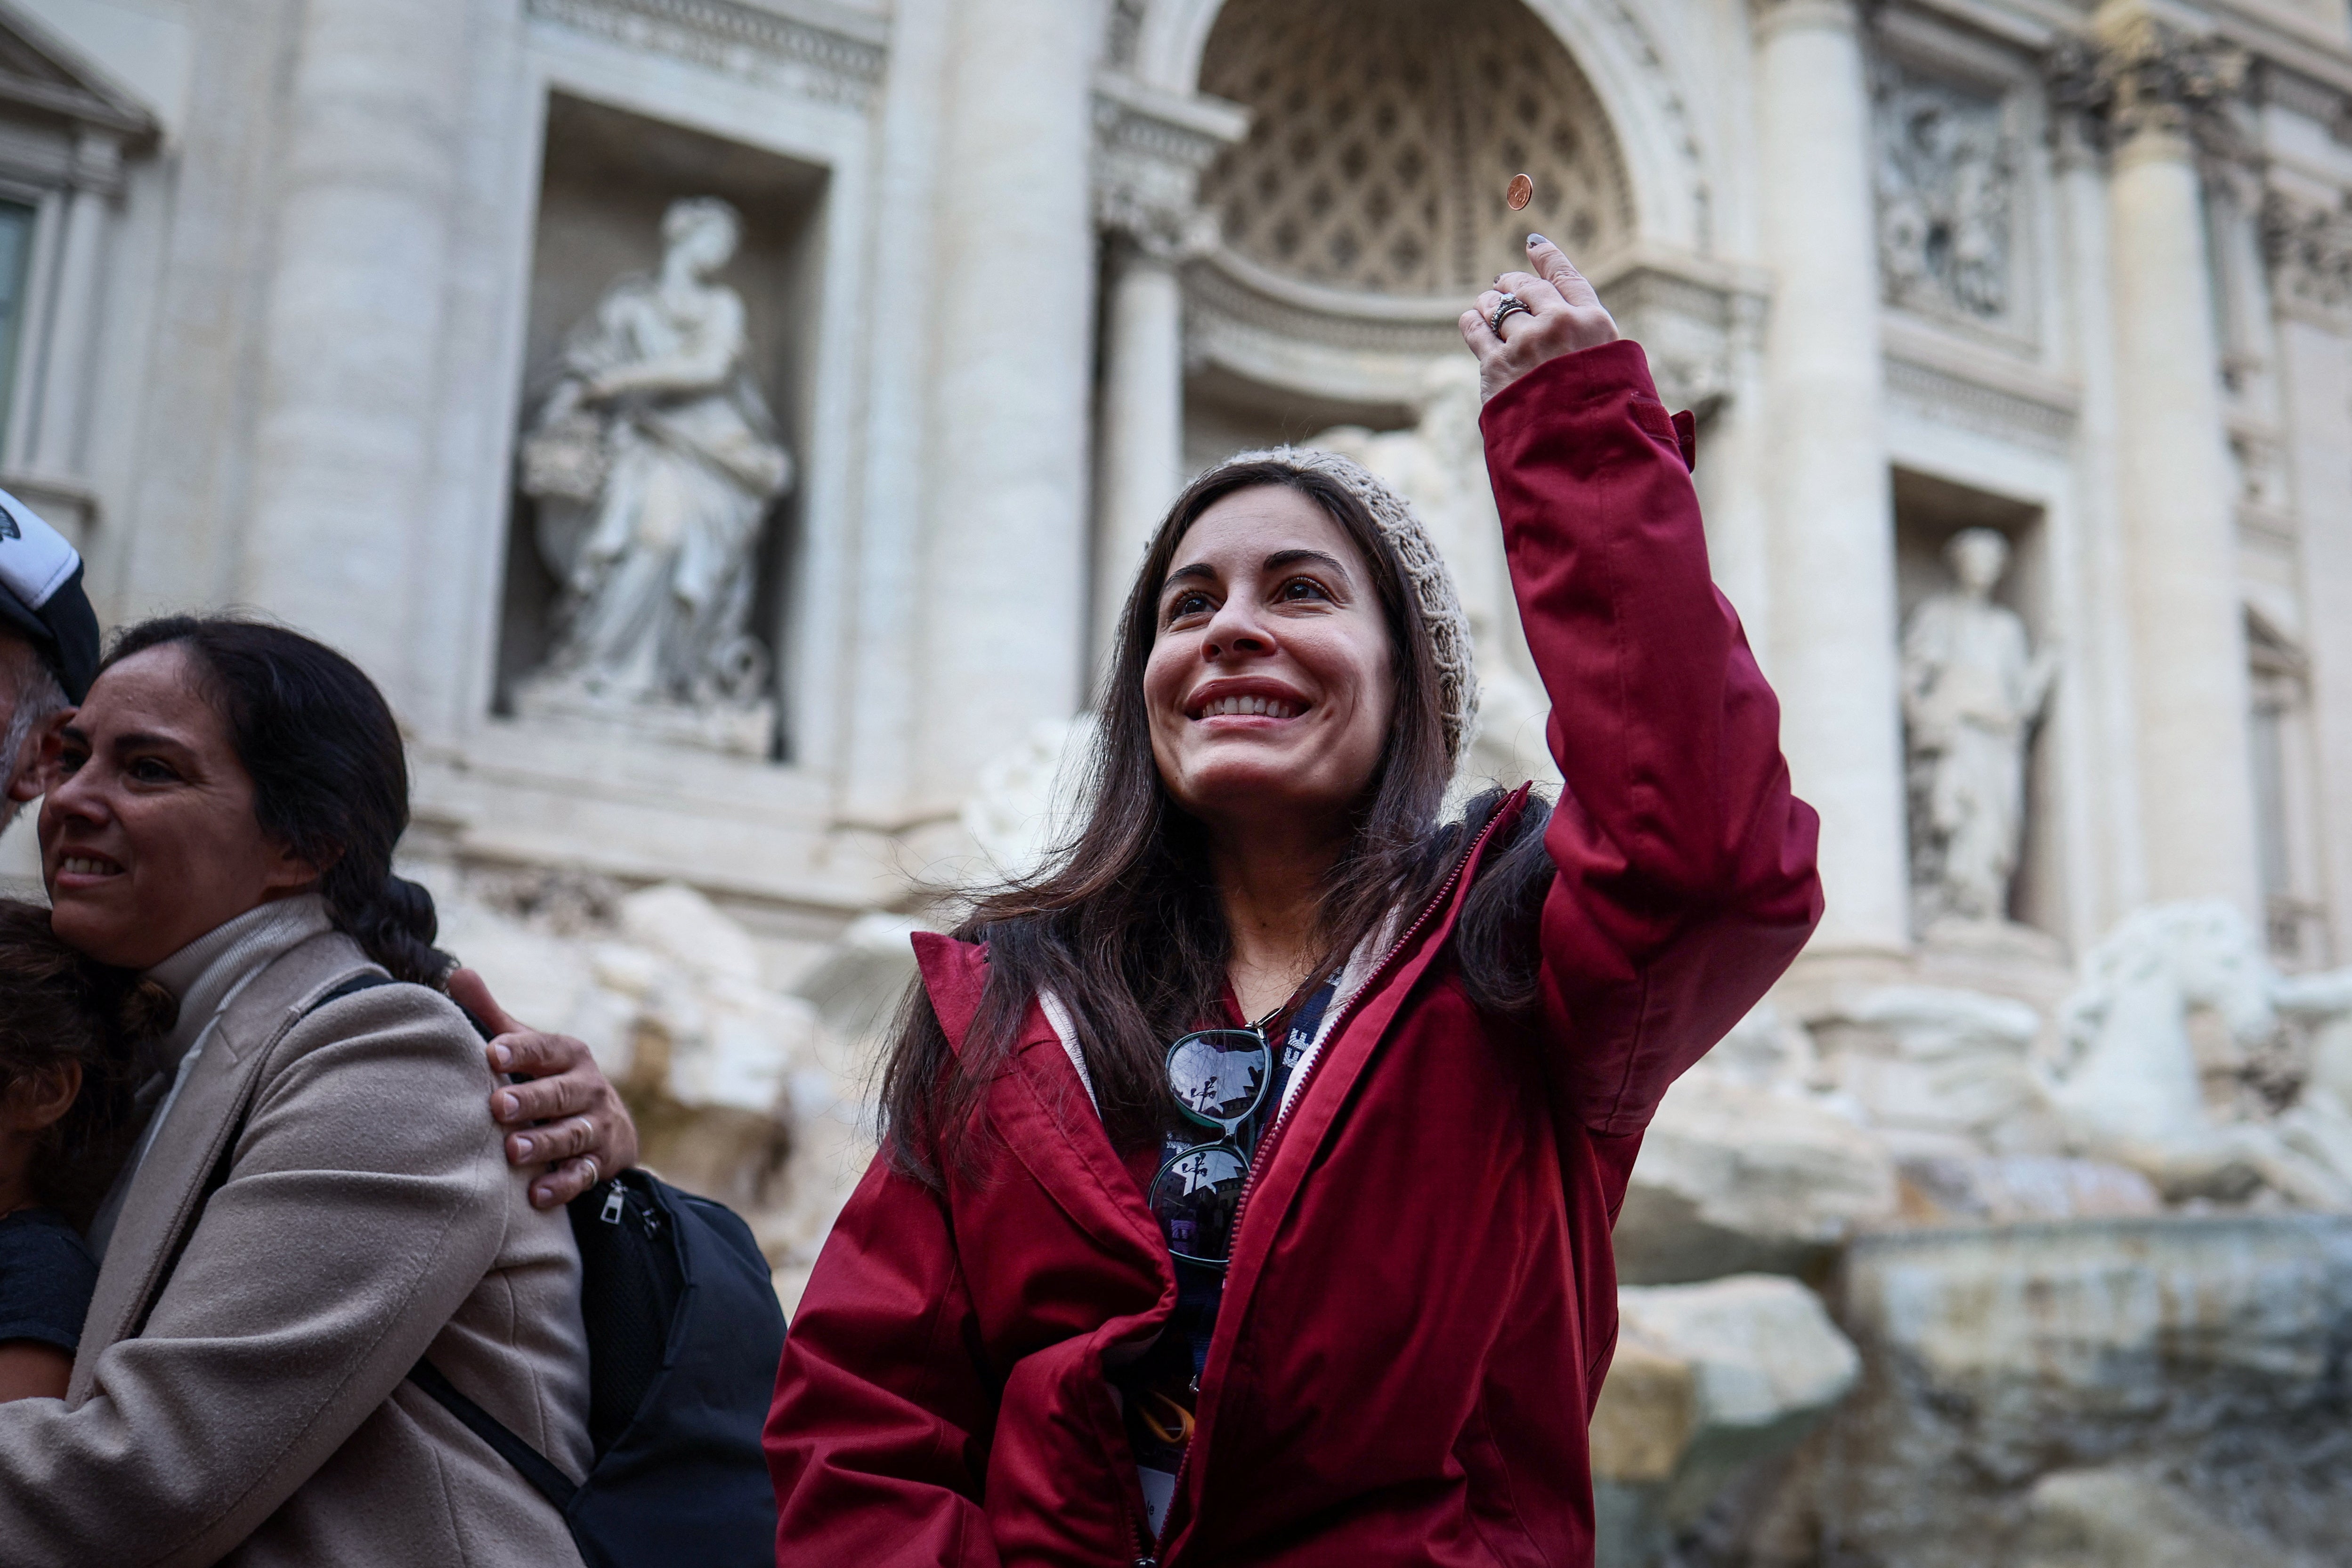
point(1687, 868)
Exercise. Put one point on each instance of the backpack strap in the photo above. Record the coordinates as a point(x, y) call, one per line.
point(533, 1465)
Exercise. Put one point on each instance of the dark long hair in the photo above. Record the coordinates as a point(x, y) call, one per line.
point(65, 1008)
point(1123, 922)
point(330, 775)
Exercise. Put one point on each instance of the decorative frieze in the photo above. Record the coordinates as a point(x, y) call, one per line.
point(1947, 191)
point(836, 61)
point(2309, 246)
point(1944, 398)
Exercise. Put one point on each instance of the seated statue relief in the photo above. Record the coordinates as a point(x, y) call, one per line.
point(654, 460)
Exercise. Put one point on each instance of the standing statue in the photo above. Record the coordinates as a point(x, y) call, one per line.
point(654, 460)
point(1971, 692)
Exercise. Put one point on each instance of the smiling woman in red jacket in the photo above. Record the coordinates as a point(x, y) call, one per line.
point(1119, 1291)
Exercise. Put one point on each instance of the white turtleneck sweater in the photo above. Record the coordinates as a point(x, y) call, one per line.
point(205, 978)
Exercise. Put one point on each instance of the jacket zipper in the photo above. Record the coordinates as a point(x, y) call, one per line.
point(1263, 1154)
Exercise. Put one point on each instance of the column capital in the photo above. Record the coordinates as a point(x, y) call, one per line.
point(1149, 150)
point(2134, 74)
point(2309, 246)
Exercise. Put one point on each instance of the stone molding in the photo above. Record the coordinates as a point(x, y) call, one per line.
point(1693, 317)
point(1149, 149)
point(44, 73)
point(1939, 393)
point(1771, 15)
point(1228, 287)
point(838, 58)
point(2139, 76)
point(2309, 246)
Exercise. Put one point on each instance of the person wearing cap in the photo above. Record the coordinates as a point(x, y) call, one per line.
point(1248, 1171)
point(569, 1125)
point(48, 643)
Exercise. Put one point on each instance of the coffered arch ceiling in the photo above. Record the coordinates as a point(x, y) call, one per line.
point(1383, 133)
point(1628, 53)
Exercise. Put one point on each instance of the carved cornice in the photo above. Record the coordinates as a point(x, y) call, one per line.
point(2310, 251)
point(2140, 76)
point(1149, 150)
point(834, 57)
point(1770, 16)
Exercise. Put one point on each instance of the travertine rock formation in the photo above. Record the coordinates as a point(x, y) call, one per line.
point(1707, 1380)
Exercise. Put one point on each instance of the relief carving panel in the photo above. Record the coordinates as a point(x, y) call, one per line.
point(1946, 168)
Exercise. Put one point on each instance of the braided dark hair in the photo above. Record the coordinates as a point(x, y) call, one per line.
point(330, 775)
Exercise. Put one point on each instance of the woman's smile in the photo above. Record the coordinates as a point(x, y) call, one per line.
point(1267, 702)
point(80, 869)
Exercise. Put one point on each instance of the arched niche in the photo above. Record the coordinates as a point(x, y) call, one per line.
point(1382, 133)
point(1631, 72)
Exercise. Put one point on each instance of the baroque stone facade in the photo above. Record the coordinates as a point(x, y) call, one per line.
point(285, 287)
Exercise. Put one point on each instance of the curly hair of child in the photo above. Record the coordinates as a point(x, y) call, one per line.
point(57, 1007)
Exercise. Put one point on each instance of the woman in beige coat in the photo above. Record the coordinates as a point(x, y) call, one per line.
point(318, 1201)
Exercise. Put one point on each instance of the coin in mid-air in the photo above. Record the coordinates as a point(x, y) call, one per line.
point(1522, 191)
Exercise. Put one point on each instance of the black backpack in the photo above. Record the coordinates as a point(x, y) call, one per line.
point(683, 1335)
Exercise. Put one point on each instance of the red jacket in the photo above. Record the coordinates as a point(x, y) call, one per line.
point(1422, 1301)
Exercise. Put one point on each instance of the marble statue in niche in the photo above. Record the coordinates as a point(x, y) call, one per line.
point(654, 460)
point(1946, 178)
point(1972, 689)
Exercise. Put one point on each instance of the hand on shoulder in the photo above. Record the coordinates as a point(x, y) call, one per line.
point(566, 1120)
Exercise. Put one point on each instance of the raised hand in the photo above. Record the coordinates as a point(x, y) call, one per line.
point(568, 1118)
point(1562, 313)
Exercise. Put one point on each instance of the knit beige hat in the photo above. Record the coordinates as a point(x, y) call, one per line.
point(1424, 572)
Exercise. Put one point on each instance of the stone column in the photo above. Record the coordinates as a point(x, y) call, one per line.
point(1833, 635)
point(2094, 718)
point(352, 339)
point(1142, 421)
point(57, 435)
point(2311, 259)
point(1005, 547)
point(1149, 150)
point(2175, 490)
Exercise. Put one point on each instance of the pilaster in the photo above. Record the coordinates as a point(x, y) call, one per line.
point(1832, 590)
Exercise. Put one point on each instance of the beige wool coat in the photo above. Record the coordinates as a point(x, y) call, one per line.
point(247, 1404)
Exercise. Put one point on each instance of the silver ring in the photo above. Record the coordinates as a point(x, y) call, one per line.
point(1510, 305)
point(594, 1170)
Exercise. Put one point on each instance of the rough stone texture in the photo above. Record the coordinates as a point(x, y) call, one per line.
point(2210, 1351)
point(2023, 1187)
point(741, 1091)
point(1708, 1379)
point(1928, 1060)
point(2120, 1517)
point(1733, 1176)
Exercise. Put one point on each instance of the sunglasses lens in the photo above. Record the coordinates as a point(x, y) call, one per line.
point(1195, 1197)
point(1219, 1074)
